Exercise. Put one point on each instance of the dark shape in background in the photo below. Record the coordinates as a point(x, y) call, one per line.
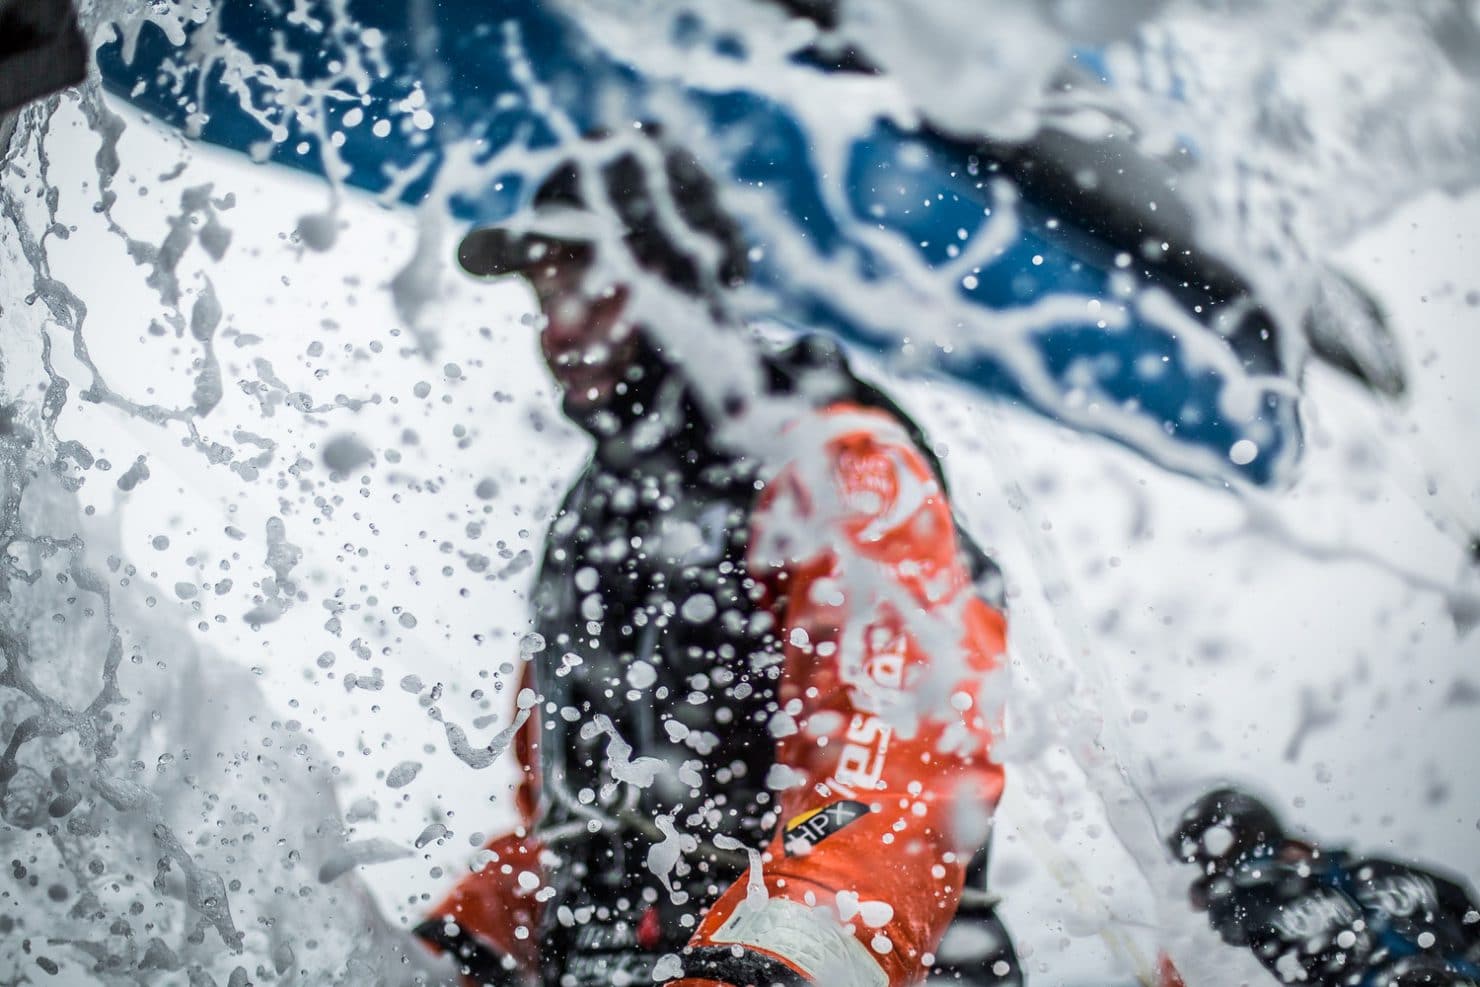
point(41, 50)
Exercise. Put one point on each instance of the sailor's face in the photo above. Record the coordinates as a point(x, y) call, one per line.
point(586, 341)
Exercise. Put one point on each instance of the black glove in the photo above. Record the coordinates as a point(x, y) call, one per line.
point(1432, 923)
point(1322, 917)
point(976, 951)
point(1268, 893)
point(1295, 922)
point(477, 962)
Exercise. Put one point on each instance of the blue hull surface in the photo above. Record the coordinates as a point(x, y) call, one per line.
point(397, 90)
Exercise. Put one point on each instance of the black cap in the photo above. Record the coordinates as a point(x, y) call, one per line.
point(494, 252)
point(635, 193)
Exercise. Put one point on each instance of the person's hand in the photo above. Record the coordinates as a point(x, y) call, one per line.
point(1266, 892)
point(1299, 927)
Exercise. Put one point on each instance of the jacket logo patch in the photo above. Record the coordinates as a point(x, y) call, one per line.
point(805, 831)
point(861, 763)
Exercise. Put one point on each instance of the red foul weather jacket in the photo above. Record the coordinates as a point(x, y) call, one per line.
point(878, 717)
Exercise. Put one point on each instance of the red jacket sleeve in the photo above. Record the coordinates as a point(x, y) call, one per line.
point(883, 734)
point(489, 920)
